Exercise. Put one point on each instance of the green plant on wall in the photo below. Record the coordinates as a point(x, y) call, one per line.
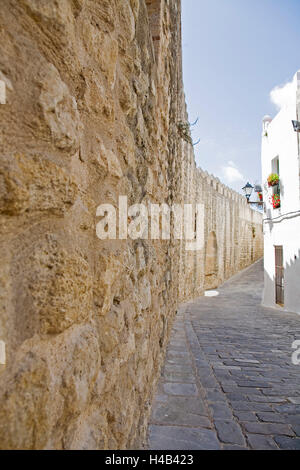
point(184, 131)
point(273, 179)
point(253, 231)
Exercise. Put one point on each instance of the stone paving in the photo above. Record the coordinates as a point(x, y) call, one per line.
point(228, 381)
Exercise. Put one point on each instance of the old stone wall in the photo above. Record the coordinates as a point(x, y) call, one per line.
point(93, 111)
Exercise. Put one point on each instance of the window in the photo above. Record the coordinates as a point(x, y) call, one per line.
point(279, 276)
point(275, 165)
point(276, 188)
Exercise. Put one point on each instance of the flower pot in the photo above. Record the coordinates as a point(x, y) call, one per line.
point(275, 200)
point(273, 183)
point(273, 179)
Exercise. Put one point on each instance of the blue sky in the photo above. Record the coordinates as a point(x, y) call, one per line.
point(234, 53)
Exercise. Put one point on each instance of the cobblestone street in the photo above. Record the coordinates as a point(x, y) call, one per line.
point(228, 380)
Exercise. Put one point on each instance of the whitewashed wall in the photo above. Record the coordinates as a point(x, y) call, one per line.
point(284, 227)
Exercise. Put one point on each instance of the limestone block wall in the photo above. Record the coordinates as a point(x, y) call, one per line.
point(233, 232)
point(94, 97)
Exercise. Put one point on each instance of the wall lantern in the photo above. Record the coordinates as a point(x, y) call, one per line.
point(296, 125)
point(248, 189)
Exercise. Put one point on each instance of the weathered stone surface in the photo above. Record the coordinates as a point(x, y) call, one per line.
point(94, 101)
point(174, 438)
point(259, 442)
point(109, 162)
point(34, 184)
point(60, 285)
point(49, 384)
point(97, 98)
point(229, 432)
point(60, 110)
point(287, 443)
point(104, 50)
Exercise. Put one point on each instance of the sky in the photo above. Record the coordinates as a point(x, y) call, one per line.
point(235, 52)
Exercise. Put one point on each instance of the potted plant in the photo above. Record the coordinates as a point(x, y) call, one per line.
point(275, 201)
point(260, 196)
point(273, 179)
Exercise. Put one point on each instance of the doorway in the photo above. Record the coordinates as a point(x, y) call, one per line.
point(211, 262)
point(279, 276)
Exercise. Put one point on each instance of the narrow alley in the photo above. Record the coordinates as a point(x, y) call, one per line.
point(228, 380)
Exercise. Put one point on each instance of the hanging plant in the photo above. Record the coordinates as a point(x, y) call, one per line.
point(275, 201)
point(184, 131)
point(273, 179)
point(260, 196)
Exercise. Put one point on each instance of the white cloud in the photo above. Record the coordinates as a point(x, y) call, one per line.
point(283, 95)
point(231, 173)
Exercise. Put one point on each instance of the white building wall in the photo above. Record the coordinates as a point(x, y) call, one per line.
point(282, 225)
